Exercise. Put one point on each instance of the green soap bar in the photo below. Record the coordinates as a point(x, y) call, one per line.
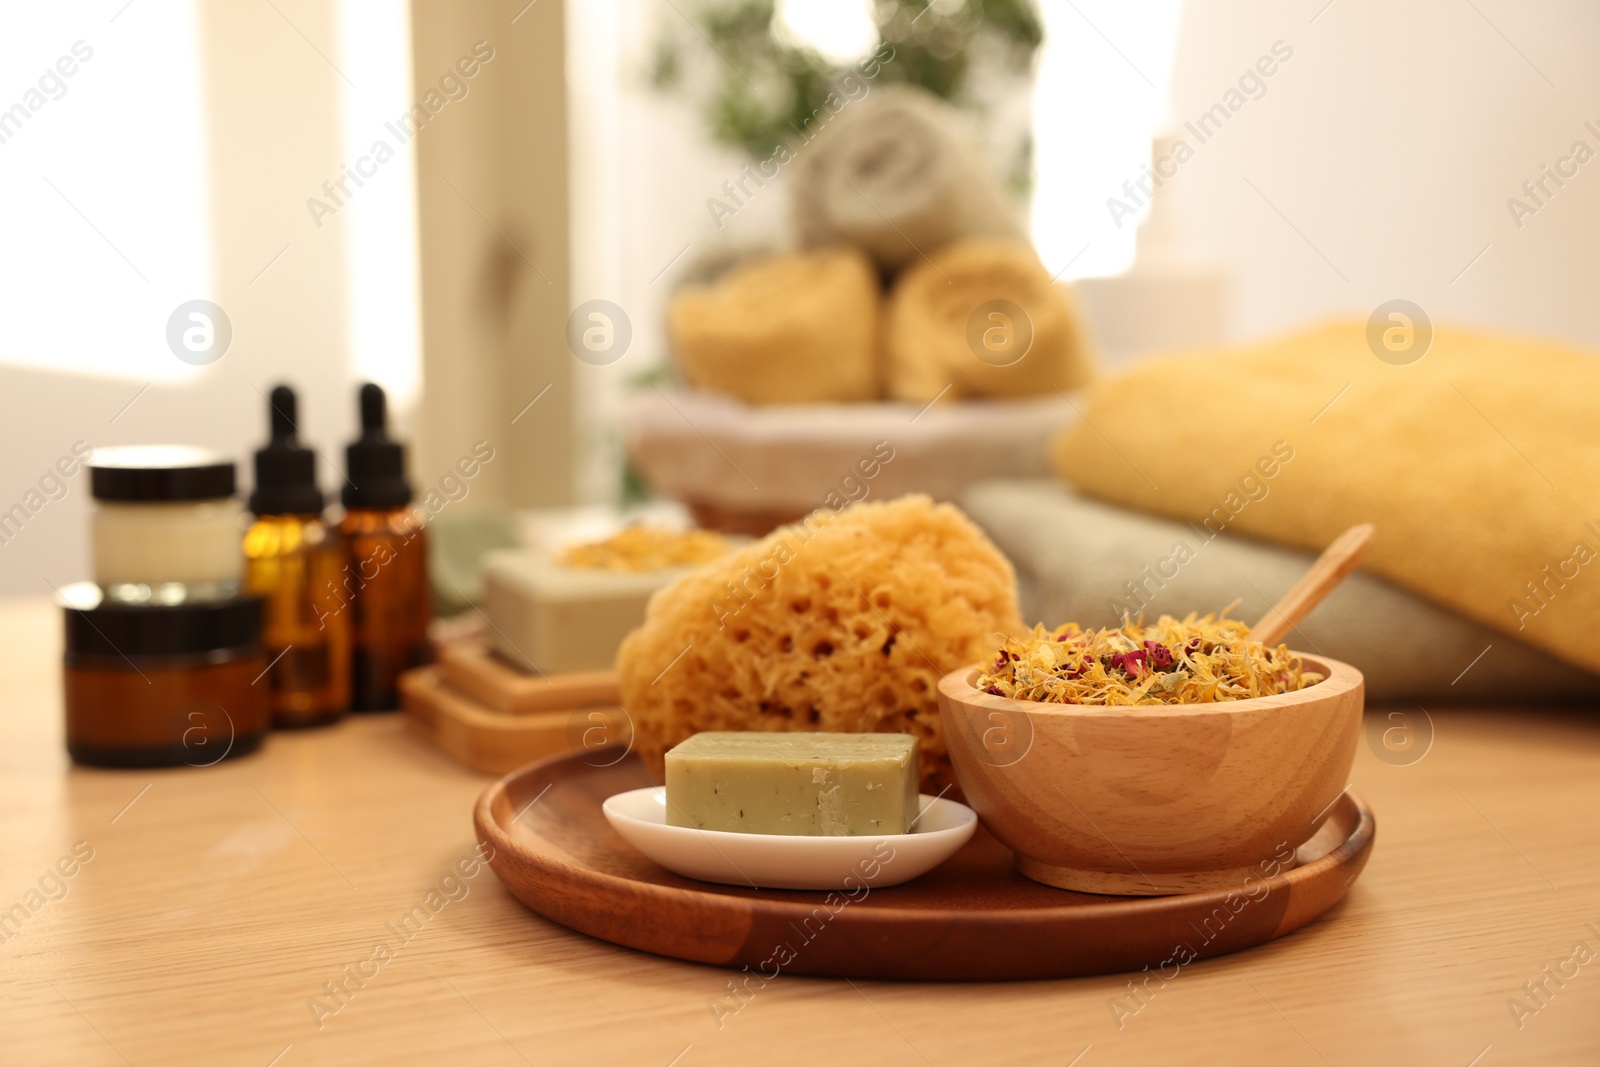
point(796, 784)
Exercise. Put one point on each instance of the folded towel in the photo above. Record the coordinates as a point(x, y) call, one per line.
point(982, 318)
point(1479, 463)
point(1083, 561)
point(891, 175)
point(799, 328)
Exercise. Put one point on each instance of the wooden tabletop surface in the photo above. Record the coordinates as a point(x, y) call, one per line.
point(216, 903)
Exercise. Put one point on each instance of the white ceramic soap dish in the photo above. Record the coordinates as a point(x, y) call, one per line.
point(775, 861)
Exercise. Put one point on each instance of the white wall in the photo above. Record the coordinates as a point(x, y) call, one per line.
point(1392, 140)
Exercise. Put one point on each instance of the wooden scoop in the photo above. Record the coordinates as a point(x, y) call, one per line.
point(1331, 568)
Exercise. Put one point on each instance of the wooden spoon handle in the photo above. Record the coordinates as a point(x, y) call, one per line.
point(1331, 568)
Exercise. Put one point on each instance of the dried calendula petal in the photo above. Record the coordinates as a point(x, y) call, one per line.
point(1196, 660)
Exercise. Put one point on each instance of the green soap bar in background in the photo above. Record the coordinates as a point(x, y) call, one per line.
point(796, 784)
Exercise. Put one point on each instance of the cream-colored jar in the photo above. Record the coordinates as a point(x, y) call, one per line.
point(165, 516)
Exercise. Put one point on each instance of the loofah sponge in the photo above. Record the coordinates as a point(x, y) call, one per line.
point(941, 333)
point(842, 622)
point(784, 329)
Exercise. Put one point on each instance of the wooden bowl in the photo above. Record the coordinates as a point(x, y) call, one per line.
point(1148, 801)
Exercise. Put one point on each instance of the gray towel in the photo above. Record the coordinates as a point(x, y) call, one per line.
point(889, 173)
point(1082, 561)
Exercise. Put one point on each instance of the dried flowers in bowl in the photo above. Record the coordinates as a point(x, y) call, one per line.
point(1195, 660)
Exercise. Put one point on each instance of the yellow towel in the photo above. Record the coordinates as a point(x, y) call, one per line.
point(783, 329)
point(1480, 464)
point(982, 318)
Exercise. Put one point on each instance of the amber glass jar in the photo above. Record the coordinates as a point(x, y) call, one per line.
point(150, 685)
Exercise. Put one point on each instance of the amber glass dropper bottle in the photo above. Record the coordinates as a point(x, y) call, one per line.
point(385, 579)
point(293, 562)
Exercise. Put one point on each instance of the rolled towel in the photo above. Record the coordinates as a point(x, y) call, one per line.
point(982, 318)
point(788, 329)
point(1079, 560)
point(891, 175)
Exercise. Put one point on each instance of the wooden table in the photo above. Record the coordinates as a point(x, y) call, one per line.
point(219, 901)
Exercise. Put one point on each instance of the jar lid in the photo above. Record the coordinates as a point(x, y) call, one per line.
point(99, 626)
point(159, 473)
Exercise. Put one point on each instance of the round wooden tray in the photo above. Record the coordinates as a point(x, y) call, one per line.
point(971, 919)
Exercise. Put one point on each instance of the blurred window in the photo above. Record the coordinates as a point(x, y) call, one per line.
point(103, 174)
point(381, 239)
point(1104, 76)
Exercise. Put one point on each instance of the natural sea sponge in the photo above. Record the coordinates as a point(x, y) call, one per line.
point(841, 622)
point(982, 318)
point(799, 328)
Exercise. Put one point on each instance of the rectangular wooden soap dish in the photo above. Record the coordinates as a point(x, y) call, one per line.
point(493, 718)
point(474, 671)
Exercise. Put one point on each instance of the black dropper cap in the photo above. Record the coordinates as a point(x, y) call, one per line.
point(374, 462)
point(286, 470)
